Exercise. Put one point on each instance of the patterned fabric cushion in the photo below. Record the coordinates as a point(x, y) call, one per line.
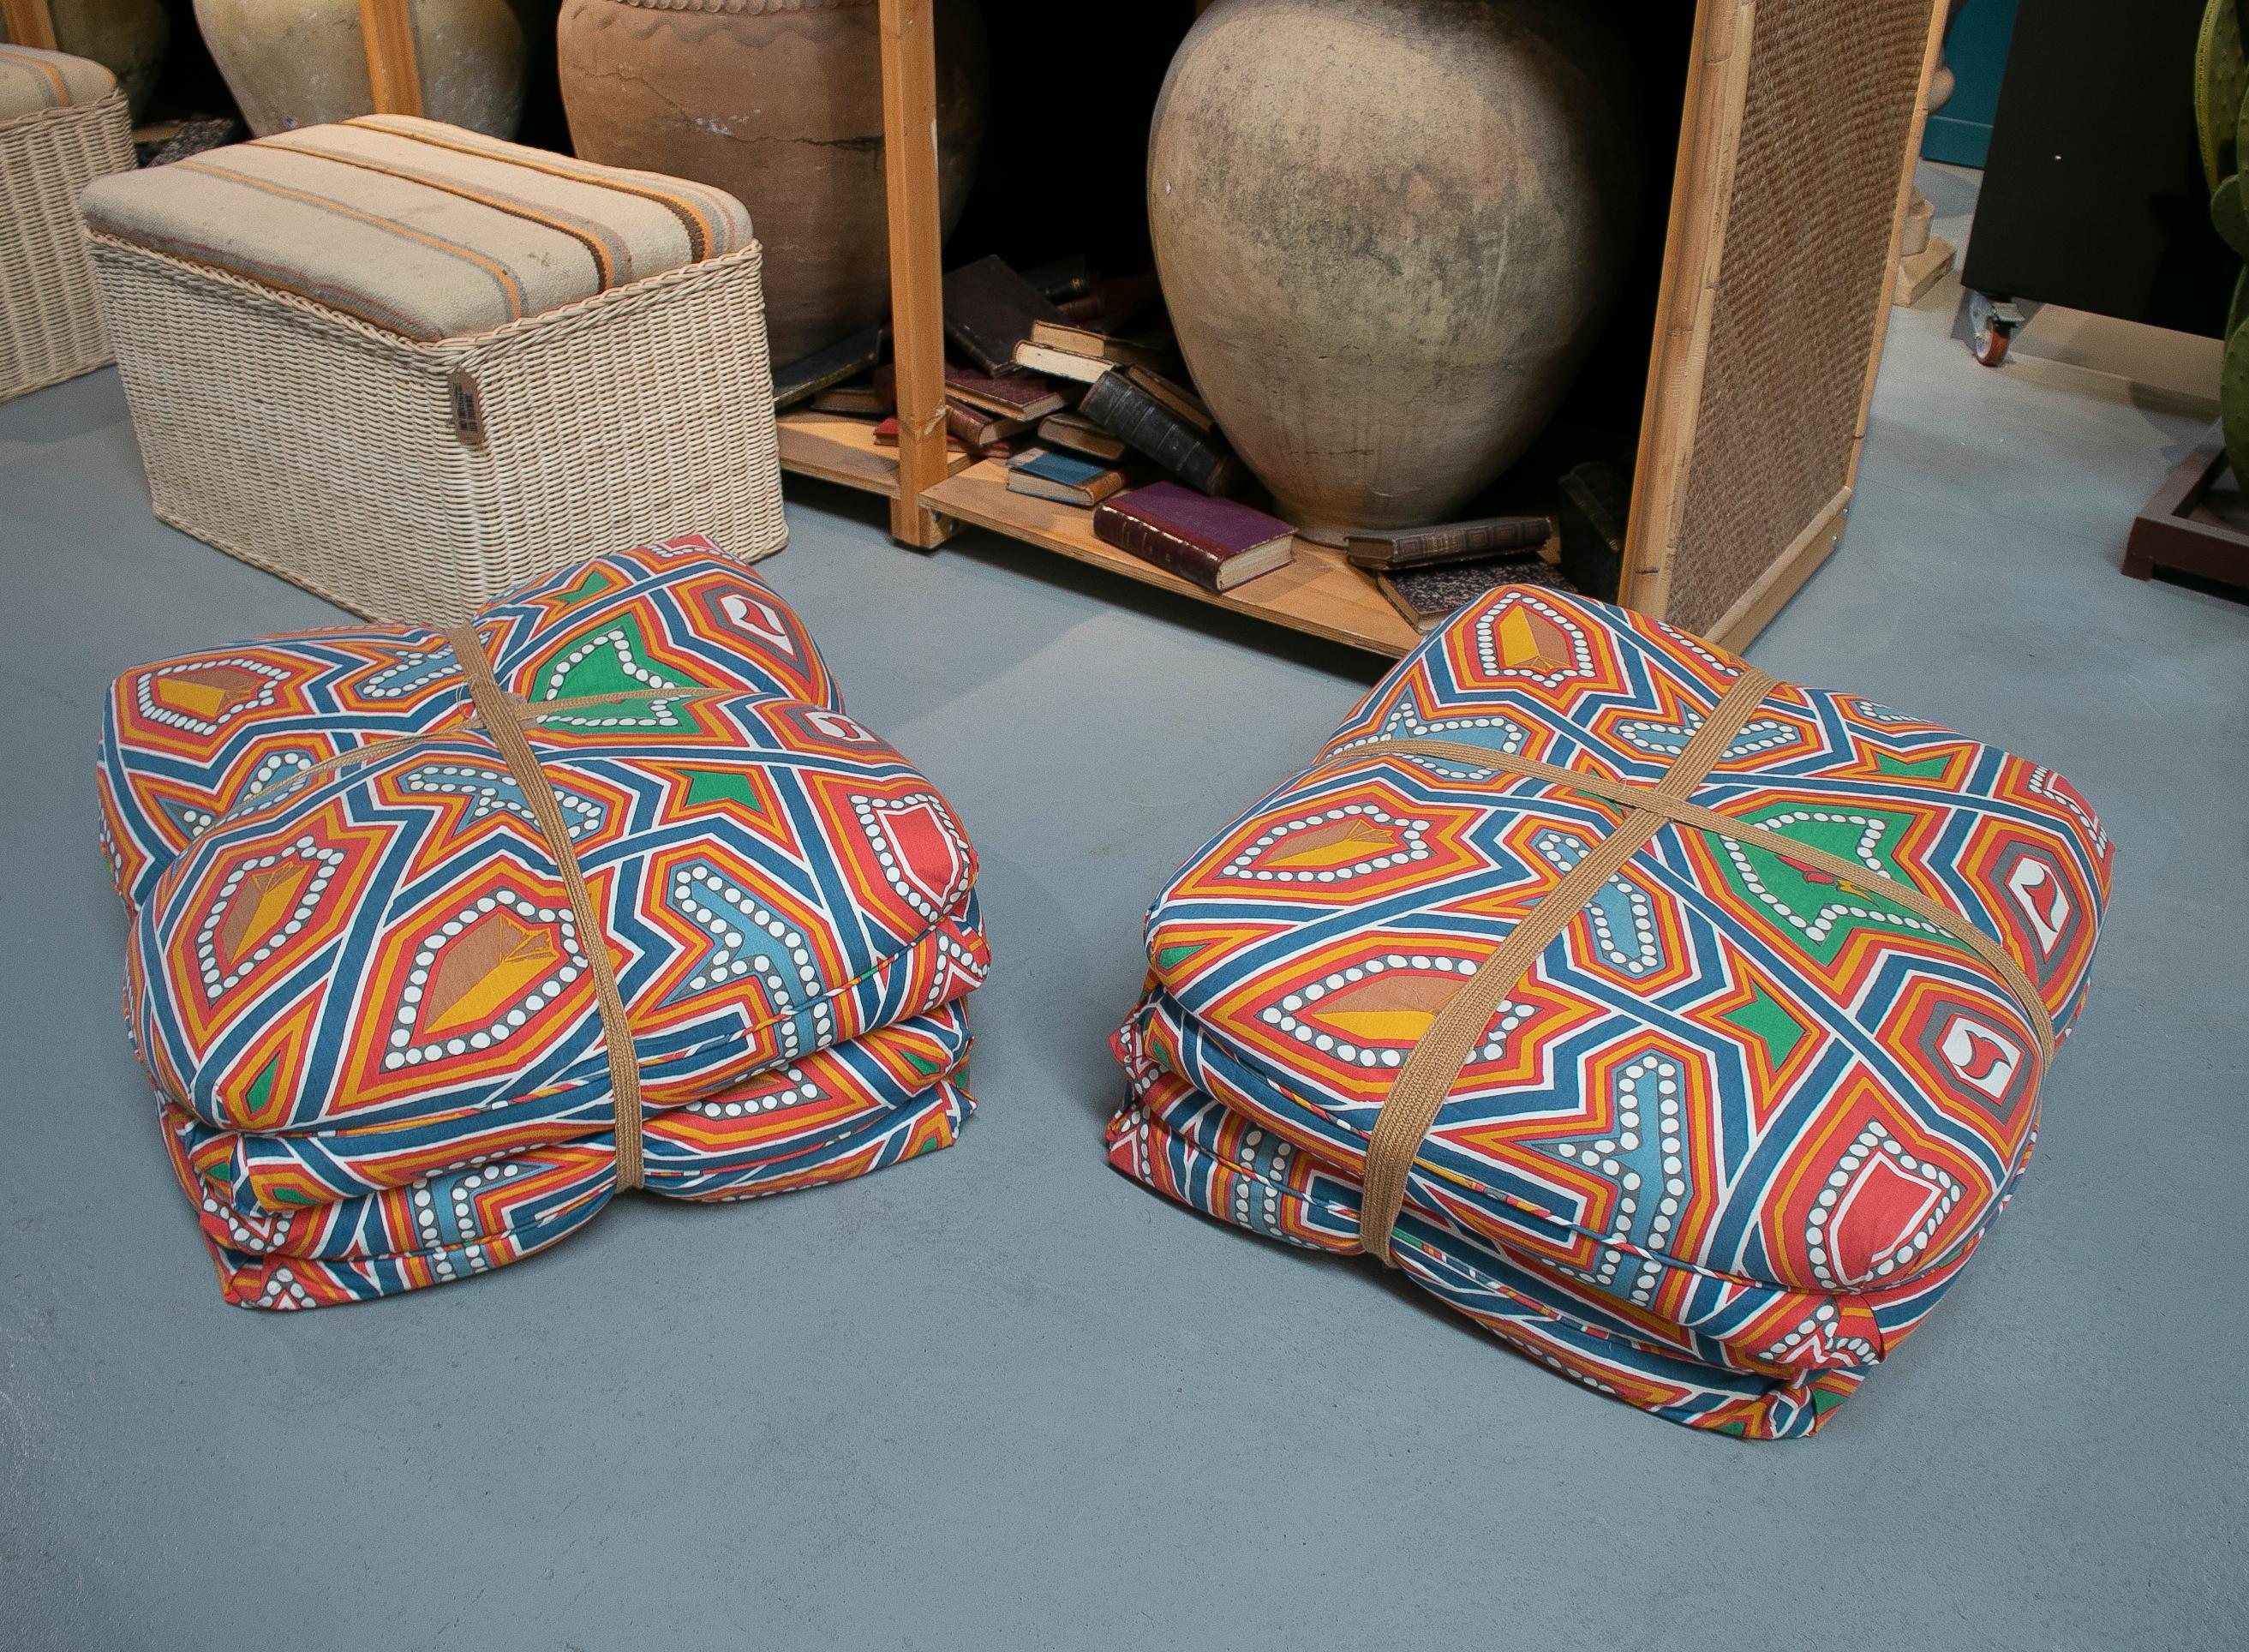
point(32, 81)
point(421, 227)
point(1742, 1122)
point(358, 982)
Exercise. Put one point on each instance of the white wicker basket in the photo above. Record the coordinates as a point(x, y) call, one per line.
point(416, 481)
point(50, 317)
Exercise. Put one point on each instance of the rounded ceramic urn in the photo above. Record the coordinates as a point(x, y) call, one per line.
point(299, 63)
point(1388, 232)
point(127, 38)
point(780, 103)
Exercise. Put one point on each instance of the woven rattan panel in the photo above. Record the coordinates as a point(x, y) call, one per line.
point(1832, 86)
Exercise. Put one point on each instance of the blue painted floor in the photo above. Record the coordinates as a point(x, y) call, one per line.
point(1002, 1398)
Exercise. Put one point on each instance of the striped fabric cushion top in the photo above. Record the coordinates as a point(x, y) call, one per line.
point(32, 81)
point(417, 227)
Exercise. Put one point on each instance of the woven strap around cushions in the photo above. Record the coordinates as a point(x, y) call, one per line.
point(420, 228)
point(32, 81)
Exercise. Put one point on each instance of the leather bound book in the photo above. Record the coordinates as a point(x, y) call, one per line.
point(1019, 396)
point(802, 379)
point(1429, 597)
point(886, 435)
point(1118, 403)
point(1048, 475)
point(1178, 397)
point(1449, 542)
point(1069, 278)
point(1081, 435)
point(1595, 500)
point(989, 310)
point(979, 429)
point(1216, 543)
point(1091, 341)
point(1060, 364)
point(867, 401)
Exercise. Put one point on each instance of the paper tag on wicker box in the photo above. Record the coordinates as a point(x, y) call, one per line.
point(468, 409)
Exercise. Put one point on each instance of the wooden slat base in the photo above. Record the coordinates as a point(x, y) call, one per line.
point(837, 449)
point(1319, 593)
point(2176, 530)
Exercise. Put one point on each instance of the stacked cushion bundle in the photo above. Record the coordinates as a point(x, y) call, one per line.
point(1682, 1028)
point(440, 938)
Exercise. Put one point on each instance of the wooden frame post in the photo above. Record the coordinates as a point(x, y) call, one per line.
point(30, 23)
point(916, 237)
point(1695, 243)
point(392, 72)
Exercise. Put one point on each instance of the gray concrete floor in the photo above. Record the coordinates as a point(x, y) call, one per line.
point(1002, 1398)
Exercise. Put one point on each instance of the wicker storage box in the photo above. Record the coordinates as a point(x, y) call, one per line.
point(408, 476)
point(62, 123)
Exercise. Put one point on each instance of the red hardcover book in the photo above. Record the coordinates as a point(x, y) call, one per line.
point(886, 435)
point(1216, 543)
point(1021, 397)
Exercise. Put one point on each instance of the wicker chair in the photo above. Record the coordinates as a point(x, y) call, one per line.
point(63, 123)
point(406, 366)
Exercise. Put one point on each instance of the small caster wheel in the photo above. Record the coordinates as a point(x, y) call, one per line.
point(1991, 324)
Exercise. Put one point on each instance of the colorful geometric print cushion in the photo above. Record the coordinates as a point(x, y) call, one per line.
point(185, 740)
point(1683, 1028)
point(368, 869)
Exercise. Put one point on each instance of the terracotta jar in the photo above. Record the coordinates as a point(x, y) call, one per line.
point(1388, 232)
point(127, 38)
point(298, 63)
point(780, 103)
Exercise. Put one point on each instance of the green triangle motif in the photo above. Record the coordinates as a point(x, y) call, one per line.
point(1823, 1401)
point(1169, 958)
point(1736, 1429)
point(613, 660)
point(1766, 1019)
point(719, 785)
point(924, 1065)
point(261, 1088)
point(586, 589)
point(1903, 768)
point(1783, 891)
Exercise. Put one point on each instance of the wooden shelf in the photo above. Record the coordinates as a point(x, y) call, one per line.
point(1318, 592)
point(837, 449)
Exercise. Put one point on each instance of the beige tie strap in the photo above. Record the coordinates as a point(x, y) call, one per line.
point(1426, 1078)
point(503, 716)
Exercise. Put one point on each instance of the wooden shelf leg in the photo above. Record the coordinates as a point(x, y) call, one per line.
point(916, 306)
point(392, 72)
point(28, 22)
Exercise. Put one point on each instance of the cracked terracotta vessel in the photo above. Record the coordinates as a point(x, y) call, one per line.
point(1387, 232)
point(780, 103)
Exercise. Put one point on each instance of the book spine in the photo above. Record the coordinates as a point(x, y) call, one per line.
point(1128, 532)
point(1125, 411)
point(980, 349)
point(966, 423)
point(802, 379)
point(1506, 533)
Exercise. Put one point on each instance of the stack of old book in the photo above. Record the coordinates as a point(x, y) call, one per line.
point(1128, 440)
point(1431, 573)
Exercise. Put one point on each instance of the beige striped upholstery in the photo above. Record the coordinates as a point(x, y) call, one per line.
point(32, 81)
point(422, 229)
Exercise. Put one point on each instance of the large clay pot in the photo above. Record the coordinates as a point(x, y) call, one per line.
point(1387, 230)
point(780, 103)
point(299, 63)
point(127, 38)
